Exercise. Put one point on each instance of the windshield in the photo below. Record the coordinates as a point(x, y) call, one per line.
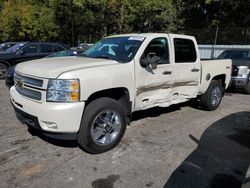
point(2, 47)
point(15, 47)
point(121, 49)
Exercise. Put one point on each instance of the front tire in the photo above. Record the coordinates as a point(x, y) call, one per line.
point(3, 69)
point(103, 125)
point(211, 99)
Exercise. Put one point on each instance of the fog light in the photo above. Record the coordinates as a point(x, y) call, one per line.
point(51, 125)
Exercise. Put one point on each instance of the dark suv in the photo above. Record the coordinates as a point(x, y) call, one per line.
point(240, 67)
point(24, 51)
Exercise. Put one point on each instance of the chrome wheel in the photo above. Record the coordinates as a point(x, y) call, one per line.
point(2, 71)
point(106, 127)
point(216, 96)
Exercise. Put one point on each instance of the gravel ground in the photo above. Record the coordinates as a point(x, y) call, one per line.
point(155, 146)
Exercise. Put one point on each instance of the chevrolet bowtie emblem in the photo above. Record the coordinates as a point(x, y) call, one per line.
point(19, 83)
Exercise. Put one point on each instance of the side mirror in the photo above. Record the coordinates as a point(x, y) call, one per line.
point(154, 62)
point(150, 61)
point(20, 52)
point(145, 62)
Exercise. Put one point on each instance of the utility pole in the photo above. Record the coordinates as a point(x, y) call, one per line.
point(215, 41)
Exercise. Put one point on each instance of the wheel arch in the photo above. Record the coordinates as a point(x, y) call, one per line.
point(221, 77)
point(120, 94)
point(5, 62)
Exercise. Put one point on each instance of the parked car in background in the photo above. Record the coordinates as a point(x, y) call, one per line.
point(24, 51)
point(6, 45)
point(241, 67)
point(85, 46)
point(9, 78)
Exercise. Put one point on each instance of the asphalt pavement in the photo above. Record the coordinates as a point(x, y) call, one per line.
point(179, 146)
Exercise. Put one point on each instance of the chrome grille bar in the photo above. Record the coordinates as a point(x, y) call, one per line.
point(28, 80)
point(29, 93)
point(28, 87)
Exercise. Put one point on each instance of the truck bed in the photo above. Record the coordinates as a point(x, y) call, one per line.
point(212, 68)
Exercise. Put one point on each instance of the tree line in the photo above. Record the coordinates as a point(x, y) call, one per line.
point(71, 21)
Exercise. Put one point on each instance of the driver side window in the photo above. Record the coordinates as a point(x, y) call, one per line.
point(157, 47)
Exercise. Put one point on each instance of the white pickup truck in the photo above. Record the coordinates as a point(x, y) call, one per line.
point(91, 97)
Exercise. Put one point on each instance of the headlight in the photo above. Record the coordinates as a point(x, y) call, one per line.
point(63, 90)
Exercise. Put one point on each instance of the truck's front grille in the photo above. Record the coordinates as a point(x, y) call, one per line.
point(28, 87)
point(29, 93)
point(29, 81)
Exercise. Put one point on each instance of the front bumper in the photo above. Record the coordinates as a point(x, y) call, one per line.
point(239, 82)
point(49, 117)
point(32, 122)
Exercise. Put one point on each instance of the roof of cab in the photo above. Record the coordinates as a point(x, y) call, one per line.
point(144, 35)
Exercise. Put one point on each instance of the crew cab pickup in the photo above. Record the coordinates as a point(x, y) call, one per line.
point(91, 97)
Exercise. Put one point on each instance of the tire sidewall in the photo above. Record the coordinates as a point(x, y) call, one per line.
point(84, 135)
point(247, 88)
point(2, 64)
point(213, 85)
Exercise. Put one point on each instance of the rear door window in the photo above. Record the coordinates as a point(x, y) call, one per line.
point(30, 49)
point(46, 48)
point(185, 51)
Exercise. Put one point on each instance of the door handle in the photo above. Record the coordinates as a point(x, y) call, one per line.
point(167, 72)
point(195, 70)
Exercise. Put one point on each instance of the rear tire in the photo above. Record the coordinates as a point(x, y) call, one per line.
point(3, 69)
point(211, 99)
point(103, 125)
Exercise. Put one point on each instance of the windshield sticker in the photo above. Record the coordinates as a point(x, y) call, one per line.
point(136, 38)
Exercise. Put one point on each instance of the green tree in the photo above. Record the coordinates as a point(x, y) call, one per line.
point(209, 13)
point(9, 22)
point(152, 16)
point(36, 23)
point(20, 20)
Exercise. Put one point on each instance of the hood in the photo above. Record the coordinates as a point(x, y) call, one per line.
point(53, 67)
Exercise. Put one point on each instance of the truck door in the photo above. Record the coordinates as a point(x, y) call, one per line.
point(153, 86)
point(186, 71)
